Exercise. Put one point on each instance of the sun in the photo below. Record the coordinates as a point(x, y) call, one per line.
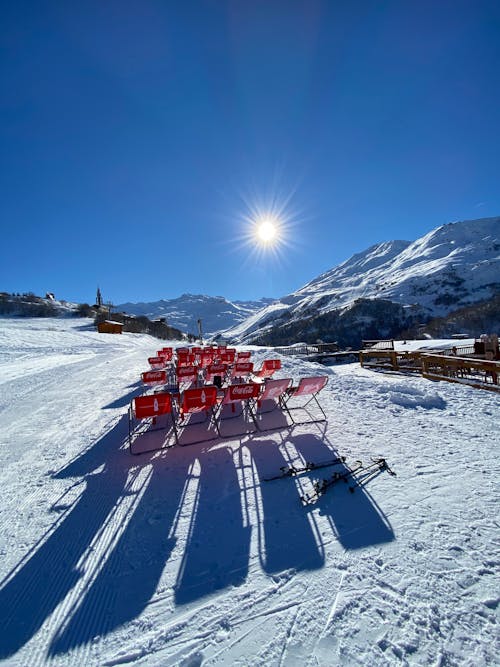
point(266, 231)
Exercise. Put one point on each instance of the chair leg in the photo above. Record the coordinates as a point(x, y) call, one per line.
point(194, 442)
point(129, 429)
point(280, 405)
point(234, 435)
point(146, 451)
point(252, 415)
point(304, 406)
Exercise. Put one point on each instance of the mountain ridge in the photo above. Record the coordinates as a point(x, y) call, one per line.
point(452, 266)
point(215, 312)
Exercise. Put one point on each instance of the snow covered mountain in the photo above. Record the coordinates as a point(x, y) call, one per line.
point(216, 313)
point(452, 266)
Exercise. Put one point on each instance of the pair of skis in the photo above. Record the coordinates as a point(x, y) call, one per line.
point(292, 471)
point(366, 473)
point(320, 487)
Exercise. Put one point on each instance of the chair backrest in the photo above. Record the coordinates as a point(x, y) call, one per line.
point(152, 405)
point(274, 389)
point(227, 357)
point(198, 399)
point(154, 377)
point(205, 358)
point(242, 356)
point(182, 350)
point(215, 369)
point(165, 353)
point(186, 359)
point(156, 363)
point(242, 369)
point(310, 385)
point(269, 367)
point(241, 392)
point(186, 373)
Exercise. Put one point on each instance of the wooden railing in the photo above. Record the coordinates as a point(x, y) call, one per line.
point(467, 370)
point(475, 372)
point(456, 350)
point(391, 360)
point(308, 350)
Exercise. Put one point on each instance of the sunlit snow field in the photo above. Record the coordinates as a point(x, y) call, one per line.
point(187, 557)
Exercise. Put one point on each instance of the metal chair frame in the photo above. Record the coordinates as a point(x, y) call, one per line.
point(150, 406)
point(316, 383)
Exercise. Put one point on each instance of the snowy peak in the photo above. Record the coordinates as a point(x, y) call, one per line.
point(454, 240)
point(376, 256)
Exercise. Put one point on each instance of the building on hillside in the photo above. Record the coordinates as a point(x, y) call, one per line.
point(108, 326)
point(98, 299)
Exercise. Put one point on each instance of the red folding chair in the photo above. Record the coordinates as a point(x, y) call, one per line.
point(241, 370)
point(154, 378)
point(195, 401)
point(205, 358)
point(187, 359)
point(215, 371)
point(227, 357)
point(268, 368)
point(234, 394)
point(269, 400)
point(156, 363)
point(243, 356)
point(186, 374)
point(308, 386)
point(151, 407)
point(165, 353)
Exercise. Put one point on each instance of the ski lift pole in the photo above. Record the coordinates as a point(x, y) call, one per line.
point(200, 334)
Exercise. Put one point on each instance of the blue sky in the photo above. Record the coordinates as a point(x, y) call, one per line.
point(139, 139)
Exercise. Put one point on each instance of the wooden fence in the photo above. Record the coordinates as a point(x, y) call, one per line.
point(475, 372)
point(467, 370)
point(308, 350)
point(391, 359)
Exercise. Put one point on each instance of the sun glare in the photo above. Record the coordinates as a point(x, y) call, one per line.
point(267, 231)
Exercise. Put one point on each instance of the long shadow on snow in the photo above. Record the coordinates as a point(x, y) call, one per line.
point(356, 519)
point(47, 575)
point(130, 575)
point(286, 539)
point(124, 400)
point(218, 544)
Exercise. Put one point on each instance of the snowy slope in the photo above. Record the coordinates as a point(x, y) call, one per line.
point(30, 305)
point(187, 557)
point(451, 266)
point(184, 312)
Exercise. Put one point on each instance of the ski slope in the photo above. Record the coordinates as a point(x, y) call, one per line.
point(187, 557)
